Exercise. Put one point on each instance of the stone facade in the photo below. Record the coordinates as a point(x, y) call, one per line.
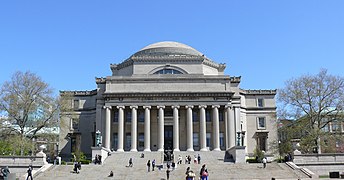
point(169, 95)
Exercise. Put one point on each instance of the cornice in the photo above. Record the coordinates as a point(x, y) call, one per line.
point(234, 79)
point(100, 80)
point(79, 93)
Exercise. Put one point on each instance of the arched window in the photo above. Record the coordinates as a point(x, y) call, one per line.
point(168, 71)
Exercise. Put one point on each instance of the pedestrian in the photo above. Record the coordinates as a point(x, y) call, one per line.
point(153, 164)
point(204, 173)
point(199, 159)
point(111, 174)
point(189, 159)
point(264, 162)
point(190, 175)
point(195, 160)
point(168, 173)
point(180, 159)
point(186, 159)
point(130, 162)
point(148, 166)
point(29, 172)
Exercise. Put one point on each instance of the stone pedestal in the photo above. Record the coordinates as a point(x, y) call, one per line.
point(238, 154)
point(100, 151)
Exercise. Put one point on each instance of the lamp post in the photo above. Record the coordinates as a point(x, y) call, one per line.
point(98, 142)
point(279, 150)
point(238, 138)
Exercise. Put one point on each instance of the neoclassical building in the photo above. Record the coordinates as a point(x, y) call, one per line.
point(169, 95)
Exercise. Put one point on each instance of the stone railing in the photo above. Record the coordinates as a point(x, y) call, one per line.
point(22, 161)
point(319, 159)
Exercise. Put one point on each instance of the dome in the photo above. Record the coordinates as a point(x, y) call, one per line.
point(167, 48)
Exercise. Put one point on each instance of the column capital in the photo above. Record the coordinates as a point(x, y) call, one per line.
point(189, 106)
point(229, 105)
point(147, 107)
point(120, 107)
point(134, 107)
point(175, 106)
point(202, 106)
point(162, 107)
point(107, 107)
point(215, 106)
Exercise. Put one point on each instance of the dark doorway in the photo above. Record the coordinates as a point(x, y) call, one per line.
point(168, 143)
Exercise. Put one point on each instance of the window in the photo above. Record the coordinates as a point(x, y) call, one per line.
point(260, 102)
point(141, 116)
point(222, 140)
point(168, 71)
point(221, 118)
point(76, 104)
point(141, 140)
point(127, 141)
point(195, 116)
point(128, 116)
point(115, 140)
point(335, 126)
point(261, 124)
point(168, 112)
point(207, 116)
point(208, 139)
point(195, 140)
point(115, 116)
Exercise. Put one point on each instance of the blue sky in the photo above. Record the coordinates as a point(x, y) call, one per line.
point(69, 43)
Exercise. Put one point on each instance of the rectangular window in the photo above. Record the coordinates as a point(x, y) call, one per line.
point(127, 141)
point(195, 116)
point(207, 116)
point(260, 102)
point(141, 140)
point(128, 116)
point(261, 124)
point(222, 140)
point(141, 116)
point(195, 140)
point(76, 104)
point(208, 139)
point(115, 140)
point(115, 116)
point(221, 117)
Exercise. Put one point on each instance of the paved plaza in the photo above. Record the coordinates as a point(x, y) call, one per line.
point(217, 169)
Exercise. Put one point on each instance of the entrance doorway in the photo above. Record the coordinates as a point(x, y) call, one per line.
point(168, 141)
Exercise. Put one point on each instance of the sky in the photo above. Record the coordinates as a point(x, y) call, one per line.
point(266, 42)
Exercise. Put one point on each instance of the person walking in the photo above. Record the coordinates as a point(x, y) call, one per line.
point(148, 165)
point(153, 164)
point(130, 162)
point(199, 159)
point(190, 175)
point(29, 172)
point(264, 162)
point(204, 173)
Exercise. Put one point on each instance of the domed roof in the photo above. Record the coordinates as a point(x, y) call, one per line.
point(168, 48)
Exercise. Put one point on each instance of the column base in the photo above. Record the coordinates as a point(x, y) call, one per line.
point(133, 150)
point(147, 150)
point(217, 149)
point(191, 149)
point(120, 150)
point(203, 149)
point(177, 150)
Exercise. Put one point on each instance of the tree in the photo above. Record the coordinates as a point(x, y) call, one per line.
point(315, 101)
point(29, 105)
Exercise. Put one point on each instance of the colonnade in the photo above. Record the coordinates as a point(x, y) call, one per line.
point(232, 122)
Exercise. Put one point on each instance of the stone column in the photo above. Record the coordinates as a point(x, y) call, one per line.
point(189, 128)
point(231, 126)
point(226, 130)
point(120, 128)
point(133, 128)
point(161, 128)
point(147, 128)
point(107, 126)
point(203, 130)
point(175, 128)
point(216, 128)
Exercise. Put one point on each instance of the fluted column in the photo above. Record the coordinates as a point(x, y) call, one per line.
point(231, 126)
point(120, 128)
point(216, 128)
point(175, 128)
point(189, 128)
point(107, 126)
point(161, 128)
point(147, 128)
point(203, 130)
point(133, 128)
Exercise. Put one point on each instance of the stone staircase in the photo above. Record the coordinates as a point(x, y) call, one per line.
point(218, 170)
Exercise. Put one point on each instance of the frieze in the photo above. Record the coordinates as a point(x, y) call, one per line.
point(79, 93)
point(260, 91)
point(169, 95)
